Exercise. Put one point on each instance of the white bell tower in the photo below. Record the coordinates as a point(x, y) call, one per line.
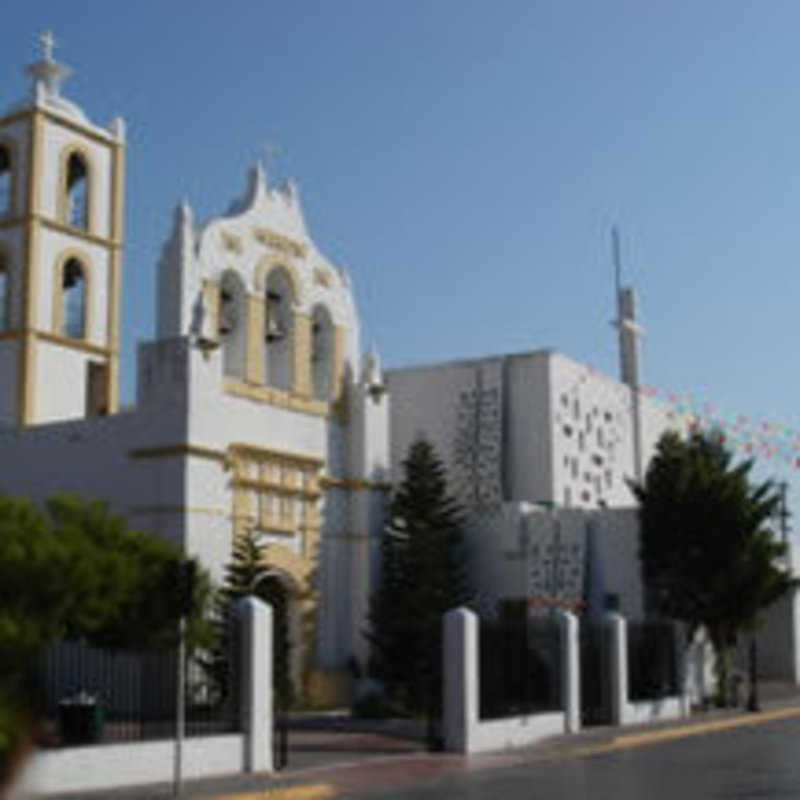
point(61, 235)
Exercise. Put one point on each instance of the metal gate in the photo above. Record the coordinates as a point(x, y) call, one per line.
point(280, 739)
point(595, 655)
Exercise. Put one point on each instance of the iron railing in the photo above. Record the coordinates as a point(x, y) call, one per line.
point(520, 667)
point(88, 695)
point(652, 660)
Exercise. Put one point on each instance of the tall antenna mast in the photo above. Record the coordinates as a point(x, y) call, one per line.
point(617, 260)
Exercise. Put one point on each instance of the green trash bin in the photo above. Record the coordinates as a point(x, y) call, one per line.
point(80, 719)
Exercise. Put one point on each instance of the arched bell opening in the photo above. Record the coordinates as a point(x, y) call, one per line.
point(278, 329)
point(232, 324)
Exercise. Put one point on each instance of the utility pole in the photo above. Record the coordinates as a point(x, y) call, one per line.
point(185, 581)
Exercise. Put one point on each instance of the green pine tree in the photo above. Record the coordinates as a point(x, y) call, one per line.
point(247, 575)
point(423, 575)
point(709, 557)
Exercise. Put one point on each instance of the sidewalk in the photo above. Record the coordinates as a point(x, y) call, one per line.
point(363, 766)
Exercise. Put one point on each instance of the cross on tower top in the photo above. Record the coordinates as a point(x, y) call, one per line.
point(48, 42)
point(47, 72)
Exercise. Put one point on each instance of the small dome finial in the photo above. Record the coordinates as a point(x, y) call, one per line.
point(47, 72)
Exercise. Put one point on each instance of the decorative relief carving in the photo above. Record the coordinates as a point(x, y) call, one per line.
point(276, 493)
point(232, 243)
point(279, 242)
point(477, 457)
point(323, 277)
point(556, 565)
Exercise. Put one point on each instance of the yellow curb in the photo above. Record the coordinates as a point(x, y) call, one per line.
point(308, 791)
point(685, 731)
point(636, 739)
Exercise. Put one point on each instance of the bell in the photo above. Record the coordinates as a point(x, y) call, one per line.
point(274, 332)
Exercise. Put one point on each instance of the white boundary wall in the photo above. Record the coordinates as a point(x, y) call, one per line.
point(623, 711)
point(97, 767)
point(464, 732)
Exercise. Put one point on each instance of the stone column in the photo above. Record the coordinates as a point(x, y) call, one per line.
point(301, 368)
point(254, 358)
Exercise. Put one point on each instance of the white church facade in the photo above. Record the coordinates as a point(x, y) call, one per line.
point(256, 410)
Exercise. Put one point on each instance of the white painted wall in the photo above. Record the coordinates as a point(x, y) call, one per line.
point(529, 471)
point(98, 767)
point(64, 371)
point(504, 547)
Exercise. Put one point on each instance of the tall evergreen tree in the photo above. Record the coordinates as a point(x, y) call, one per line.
point(423, 575)
point(246, 574)
point(708, 555)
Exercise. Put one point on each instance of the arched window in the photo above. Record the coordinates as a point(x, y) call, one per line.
point(73, 300)
point(5, 322)
point(321, 352)
point(232, 324)
point(5, 181)
point(77, 189)
point(278, 329)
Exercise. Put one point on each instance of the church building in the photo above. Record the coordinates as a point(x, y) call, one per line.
point(258, 413)
point(256, 410)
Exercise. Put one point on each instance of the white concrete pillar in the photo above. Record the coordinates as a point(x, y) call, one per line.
point(460, 677)
point(255, 621)
point(570, 672)
point(618, 662)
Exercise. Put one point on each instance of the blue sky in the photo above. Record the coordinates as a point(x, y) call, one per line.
point(465, 161)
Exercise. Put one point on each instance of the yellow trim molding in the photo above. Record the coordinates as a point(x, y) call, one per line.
point(301, 369)
point(53, 338)
point(275, 487)
point(115, 276)
point(26, 388)
point(76, 344)
point(339, 337)
point(286, 456)
point(254, 354)
point(271, 262)
point(60, 227)
point(276, 397)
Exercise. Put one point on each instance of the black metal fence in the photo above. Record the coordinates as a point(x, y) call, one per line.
point(595, 661)
point(520, 667)
point(89, 695)
point(652, 660)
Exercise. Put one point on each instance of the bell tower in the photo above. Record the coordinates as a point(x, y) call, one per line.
point(61, 236)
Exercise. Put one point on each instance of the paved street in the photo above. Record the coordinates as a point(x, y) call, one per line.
point(759, 761)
